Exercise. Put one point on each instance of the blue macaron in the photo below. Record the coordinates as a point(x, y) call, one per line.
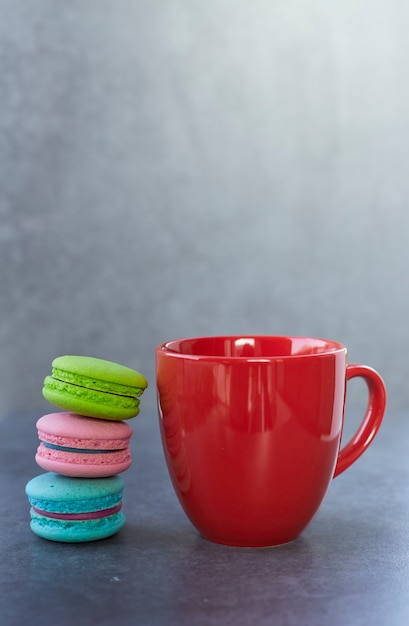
point(75, 510)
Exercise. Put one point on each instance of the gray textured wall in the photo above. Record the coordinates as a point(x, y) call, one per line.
point(178, 167)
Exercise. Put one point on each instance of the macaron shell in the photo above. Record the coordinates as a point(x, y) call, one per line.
point(76, 532)
point(77, 431)
point(88, 403)
point(83, 465)
point(100, 369)
point(64, 494)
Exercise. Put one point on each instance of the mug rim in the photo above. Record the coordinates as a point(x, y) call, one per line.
point(329, 347)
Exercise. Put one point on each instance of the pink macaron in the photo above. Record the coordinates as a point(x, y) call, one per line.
point(78, 446)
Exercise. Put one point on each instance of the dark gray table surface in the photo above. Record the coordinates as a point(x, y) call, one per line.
point(351, 565)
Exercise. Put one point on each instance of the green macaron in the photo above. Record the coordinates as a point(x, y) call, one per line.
point(94, 387)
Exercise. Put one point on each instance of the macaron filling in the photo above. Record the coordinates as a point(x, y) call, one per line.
point(88, 515)
point(96, 384)
point(92, 395)
point(53, 446)
point(101, 503)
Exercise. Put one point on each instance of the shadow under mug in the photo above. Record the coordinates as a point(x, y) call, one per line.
point(251, 429)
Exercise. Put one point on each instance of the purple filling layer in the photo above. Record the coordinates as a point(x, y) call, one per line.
point(80, 516)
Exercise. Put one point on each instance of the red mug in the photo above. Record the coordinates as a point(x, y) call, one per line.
point(251, 429)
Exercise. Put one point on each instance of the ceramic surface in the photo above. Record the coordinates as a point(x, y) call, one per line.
point(251, 430)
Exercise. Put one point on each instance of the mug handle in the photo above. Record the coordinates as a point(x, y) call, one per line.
point(372, 419)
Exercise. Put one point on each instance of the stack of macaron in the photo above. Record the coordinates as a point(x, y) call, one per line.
point(83, 449)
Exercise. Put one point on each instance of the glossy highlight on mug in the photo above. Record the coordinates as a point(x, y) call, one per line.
point(251, 429)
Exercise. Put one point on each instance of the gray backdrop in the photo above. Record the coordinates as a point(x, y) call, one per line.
point(173, 168)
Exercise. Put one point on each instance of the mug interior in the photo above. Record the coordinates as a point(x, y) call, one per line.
point(256, 347)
